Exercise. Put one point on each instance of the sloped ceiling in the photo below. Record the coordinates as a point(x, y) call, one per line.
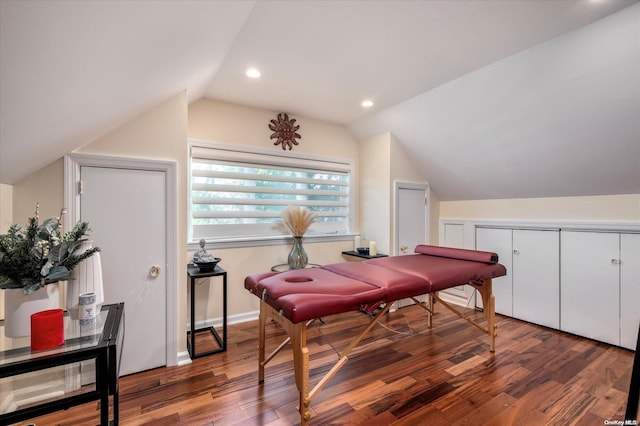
point(493, 99)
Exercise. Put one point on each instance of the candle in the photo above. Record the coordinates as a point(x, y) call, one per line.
point(87, 308)
point(47, 329)
point(373, 248)
point(356, 242)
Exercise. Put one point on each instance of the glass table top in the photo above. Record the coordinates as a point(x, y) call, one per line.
point(13, 349)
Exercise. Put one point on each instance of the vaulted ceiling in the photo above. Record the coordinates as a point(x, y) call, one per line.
point(492, 98)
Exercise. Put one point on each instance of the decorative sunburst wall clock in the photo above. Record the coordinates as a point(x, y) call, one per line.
point(284, 130)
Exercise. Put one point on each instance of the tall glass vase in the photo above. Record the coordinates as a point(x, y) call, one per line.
point(298, 258)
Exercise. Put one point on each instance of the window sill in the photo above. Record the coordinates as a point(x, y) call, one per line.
point(276, 240)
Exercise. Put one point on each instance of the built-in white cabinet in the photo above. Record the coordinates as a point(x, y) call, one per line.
point(580, 278)
point(600, 289)
point(531, 289)
point(629, 289)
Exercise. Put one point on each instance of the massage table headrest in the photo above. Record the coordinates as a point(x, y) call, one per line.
point(457, 253)
point(444, 267)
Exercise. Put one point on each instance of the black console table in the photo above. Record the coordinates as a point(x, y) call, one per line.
point(194, 273)
point(100, 344)
point(363, 256)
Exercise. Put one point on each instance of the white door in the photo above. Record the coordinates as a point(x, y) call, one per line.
point(499, 241)
point(590, 290)
point(411, 219)
point(629, 289)
point(536, 276)
point(126, 211)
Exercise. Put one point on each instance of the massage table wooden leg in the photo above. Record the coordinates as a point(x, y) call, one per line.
point(427, 306)
point(488, 302)
point(489, 305)
point(262, 323)
point(298, 337)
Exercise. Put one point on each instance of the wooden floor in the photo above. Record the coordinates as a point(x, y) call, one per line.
point(403, 374)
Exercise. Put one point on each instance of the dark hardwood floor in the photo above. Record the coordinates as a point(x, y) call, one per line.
point(404, 374)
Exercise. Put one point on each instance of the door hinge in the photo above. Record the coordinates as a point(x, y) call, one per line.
point(80, 187)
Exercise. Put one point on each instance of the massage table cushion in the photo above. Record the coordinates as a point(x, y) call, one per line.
point(305, 294)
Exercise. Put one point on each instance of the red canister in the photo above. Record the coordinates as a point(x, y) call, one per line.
point(47, 329)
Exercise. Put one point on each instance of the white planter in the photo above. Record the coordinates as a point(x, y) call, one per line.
point(85, 278)
point(18, 308)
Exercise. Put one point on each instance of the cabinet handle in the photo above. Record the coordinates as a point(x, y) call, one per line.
point(616, 261)
point(515, 251)
point(404, 248)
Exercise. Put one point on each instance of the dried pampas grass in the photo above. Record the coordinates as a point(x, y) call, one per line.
point(297, 220)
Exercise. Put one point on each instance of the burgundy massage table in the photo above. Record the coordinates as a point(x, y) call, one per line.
point(294, 299)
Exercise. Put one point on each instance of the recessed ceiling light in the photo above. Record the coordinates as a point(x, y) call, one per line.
point(367, 103)
point(253, 73)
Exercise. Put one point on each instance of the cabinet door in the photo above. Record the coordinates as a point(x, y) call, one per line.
point(629, 289)
point(536, 276)
point(499, 241)
point(590, 295)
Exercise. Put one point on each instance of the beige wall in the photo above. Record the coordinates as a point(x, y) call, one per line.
point(6, 207)
point(606, 208)
point(222, 122)
point(383, 161)
point(160, 134)
point(375, 191)
point(6, 219)
point(434, 218)
point(45, 187)
point(403, 170)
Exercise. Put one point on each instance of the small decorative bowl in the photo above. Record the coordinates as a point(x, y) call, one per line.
point(207, 266)
point(363, 250)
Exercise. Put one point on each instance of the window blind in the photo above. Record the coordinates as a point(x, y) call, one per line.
point(241, 193)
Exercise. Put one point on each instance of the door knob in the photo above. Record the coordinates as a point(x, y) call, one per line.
point(154, 271)
point(403, 248)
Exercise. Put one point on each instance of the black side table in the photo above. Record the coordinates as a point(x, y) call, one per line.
point(363, 256)
point(101, 346)
point(194, 273)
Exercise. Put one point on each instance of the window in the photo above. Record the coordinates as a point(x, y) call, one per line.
point(239, 193)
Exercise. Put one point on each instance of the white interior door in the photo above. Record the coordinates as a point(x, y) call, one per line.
point(536, 276)
point(126, 211)
point(411, 219)
point(500, 241)
point(590, 290)
point(411, 222)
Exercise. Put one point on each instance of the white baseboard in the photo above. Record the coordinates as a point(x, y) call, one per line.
point(33, 394)
point(232, 319)
point(454, 299)
point(183, 358)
